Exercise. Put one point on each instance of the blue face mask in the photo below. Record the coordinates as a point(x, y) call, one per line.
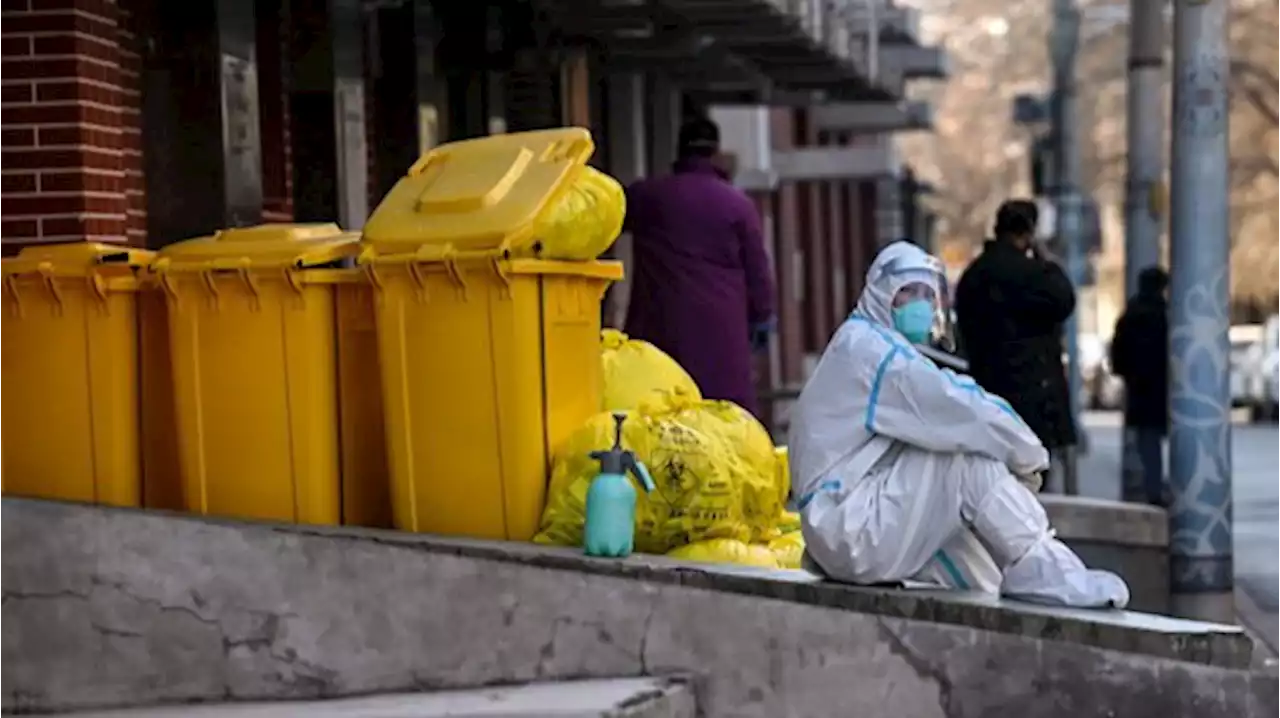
point(914, 319)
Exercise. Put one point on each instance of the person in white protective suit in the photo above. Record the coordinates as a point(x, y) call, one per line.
point(908, 472)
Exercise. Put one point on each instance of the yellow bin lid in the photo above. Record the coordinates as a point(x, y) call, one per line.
point(75, 259)
point(478, 195)
point(264, 246)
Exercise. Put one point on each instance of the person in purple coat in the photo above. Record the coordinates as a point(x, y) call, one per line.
point(702, 286)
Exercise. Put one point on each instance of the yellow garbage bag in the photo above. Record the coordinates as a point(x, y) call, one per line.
point(584, 220)
point(763, 500)
point(783, 464)
point(726, 551)
point(788, 549)
point(788, 522)
point(700, 481)
point(637, 373)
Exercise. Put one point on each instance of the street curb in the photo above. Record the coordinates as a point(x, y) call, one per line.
point(1260, 625)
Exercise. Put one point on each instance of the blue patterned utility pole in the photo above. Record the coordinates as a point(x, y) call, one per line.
point(1200, 403)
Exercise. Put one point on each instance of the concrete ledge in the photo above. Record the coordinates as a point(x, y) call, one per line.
point(1129, 539)
point(113, 608)
point(1114, 522)
point(617, 698)
point(1183, 640)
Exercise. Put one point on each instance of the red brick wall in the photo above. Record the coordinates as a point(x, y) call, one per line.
point(135, 187)
point(70, 124)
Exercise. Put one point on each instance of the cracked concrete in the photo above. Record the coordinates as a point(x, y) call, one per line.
point(108, 608)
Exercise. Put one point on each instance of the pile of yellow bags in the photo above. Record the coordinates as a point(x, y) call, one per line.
point(720, 494)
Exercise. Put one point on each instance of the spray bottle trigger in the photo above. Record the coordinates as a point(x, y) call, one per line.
point(637, 467)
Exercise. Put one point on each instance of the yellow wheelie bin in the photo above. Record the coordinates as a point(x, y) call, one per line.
point(490, 355)
point(70, 373)
point(255, 350)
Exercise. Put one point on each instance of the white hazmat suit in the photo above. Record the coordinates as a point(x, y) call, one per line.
point(905, 471)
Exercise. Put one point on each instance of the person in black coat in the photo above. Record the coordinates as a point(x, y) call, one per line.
point(1140, 356)
point(1010, 306)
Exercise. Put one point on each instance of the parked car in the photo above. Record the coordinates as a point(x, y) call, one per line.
point(1262, 373)
point(1100, 389)
point(1106, 389)
point(1244, 339)
point(1270, 407)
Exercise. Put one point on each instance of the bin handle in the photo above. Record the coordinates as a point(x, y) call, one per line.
point(212, 286)
point(455, 273)
point(291, 277)
point(251, 284)
point(11, 288)
point(431, 253)
point(434, 252)
point(505, 278)
point(51, 283)
point(419, 280)
point(98, 287)
point(44, 270)
point(229, 263)
point(169, 286)
point(375, 279)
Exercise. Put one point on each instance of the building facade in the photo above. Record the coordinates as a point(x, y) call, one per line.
point(146, 122)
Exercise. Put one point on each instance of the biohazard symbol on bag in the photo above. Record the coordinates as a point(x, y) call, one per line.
point(702, 481)
point(763, 500)
point(637, 374)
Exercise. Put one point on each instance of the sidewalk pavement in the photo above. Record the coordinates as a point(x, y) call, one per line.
point(1256, 608)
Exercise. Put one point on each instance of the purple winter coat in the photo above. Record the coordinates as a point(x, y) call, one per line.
point(701, 277)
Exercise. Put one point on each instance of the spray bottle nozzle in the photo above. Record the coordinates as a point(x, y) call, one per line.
point(618, 460)
point(618, 420)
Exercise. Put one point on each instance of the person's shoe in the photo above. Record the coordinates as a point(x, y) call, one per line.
point(1052, 574)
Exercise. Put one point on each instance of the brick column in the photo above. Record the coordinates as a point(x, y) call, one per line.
point(888, 211)
point(789, 257)
point(814, 239)
point(838, 247)
point(273, 109)
point(71, 136)
point(131, 149)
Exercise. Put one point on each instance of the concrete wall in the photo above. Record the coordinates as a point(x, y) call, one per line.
point(110, 608)
point(1130, 539)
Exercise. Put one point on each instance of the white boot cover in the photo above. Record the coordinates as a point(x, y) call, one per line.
point(1037, 567)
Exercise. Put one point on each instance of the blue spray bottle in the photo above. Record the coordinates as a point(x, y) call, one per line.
point(610, 526)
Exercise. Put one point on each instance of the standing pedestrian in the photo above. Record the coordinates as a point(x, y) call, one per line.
point(702, 287)
point(1011, 303)
point(1140, 356)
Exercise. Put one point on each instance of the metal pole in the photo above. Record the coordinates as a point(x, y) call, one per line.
point(1200, 439)
point(1145, 168)
point(1066, 41)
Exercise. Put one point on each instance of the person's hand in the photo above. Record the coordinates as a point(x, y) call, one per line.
point(760, 333)
point(1034, 469)
point(1033, 481)
point(1040, 250)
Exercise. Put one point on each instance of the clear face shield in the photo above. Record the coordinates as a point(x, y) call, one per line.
point(921, 304)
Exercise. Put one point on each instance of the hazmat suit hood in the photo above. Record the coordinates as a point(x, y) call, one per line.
point(897, 265)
